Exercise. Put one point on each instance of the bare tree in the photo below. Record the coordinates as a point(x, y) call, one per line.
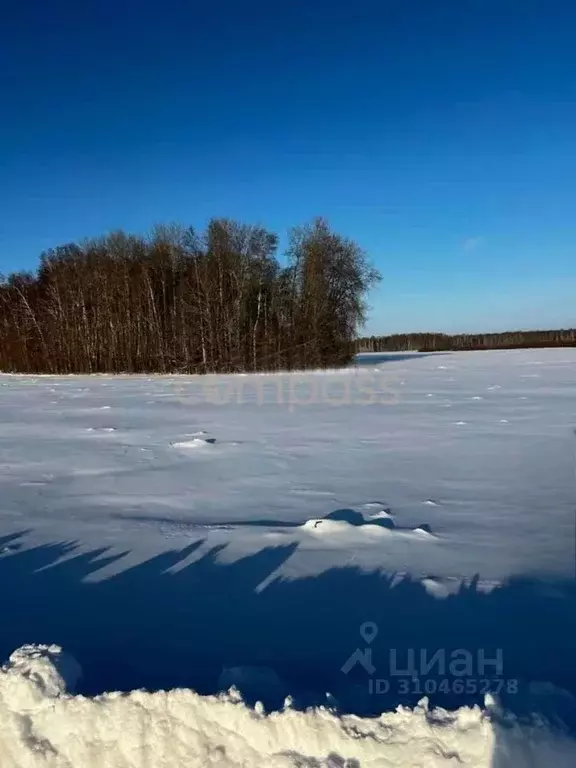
point(181, 301)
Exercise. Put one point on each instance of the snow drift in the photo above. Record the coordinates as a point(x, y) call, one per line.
point(42, 724)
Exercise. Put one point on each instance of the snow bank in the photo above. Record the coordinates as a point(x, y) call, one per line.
point(43, 725)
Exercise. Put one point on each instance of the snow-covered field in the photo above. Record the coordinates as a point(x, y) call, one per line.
point(400, 529)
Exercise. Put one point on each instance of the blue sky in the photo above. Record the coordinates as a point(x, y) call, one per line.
point(440, 134)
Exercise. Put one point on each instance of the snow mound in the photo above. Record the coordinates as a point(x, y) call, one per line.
point(50, 671)
point(43, 727)
point(441, 588)
point(423, 530)
point(382, 514)
point(196, 442)
point(322, 525)
point(349, 521)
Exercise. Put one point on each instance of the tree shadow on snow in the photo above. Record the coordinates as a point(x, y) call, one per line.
point(377, 358)
point(207, 625)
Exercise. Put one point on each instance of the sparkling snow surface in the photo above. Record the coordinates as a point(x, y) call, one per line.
point(479, 446)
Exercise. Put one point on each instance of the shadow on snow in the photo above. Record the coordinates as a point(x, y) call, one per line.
point(377, 358)
point(207, 625)
point(345, 515)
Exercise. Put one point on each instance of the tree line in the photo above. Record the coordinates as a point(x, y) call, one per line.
point(178, 300)
point(432, 342)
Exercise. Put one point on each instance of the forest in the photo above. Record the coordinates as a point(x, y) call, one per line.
point(432, 342)
point(219, 301)
point(178, 300)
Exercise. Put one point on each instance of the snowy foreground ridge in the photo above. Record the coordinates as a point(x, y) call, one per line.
point(41, 725)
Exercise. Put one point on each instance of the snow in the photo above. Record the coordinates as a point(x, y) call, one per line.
point(140, 473)
point(187, 533)
point(43, 725)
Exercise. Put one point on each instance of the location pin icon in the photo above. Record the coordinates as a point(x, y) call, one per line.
point(368, 631)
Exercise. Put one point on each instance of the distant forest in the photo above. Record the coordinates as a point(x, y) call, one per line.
point(431, 342)
point(182, 301)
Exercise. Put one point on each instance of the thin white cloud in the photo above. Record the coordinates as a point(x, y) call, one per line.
point(471, 243)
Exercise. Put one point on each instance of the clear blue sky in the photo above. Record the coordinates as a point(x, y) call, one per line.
point(440, 134)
